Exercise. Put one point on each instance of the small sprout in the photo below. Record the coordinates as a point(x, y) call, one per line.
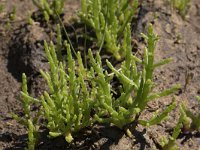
point(181, 5)
point(191, 121)
point(31, 136)
point(31, 123)
point(198, 98)
point(170, 144)
point(1, 8)
point(30, 20)
point(187, 122)
point(12, 14)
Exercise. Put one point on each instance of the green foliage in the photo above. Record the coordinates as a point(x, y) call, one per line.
point(30, 122)
point(12, 14)
point(1, 8)
point(68, 106)
point(191, 121)
point(137, 86)
point(30, 20)
point(32, 134)
point(108, 19)
point(50, 8)
point(198, 98)
point(187, 122)
point(171, 143)
point(181, 5)
point(76, 92)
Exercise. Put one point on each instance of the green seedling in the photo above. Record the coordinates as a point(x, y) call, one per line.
point(30, 20)
point(198, 98)
point(108, 19)
point(1, 8)
point(181, 5)
point(50, 9)
point(187, 122)
point(191, 121)
point(12, 14)
point(171, 143)
point(30, 122)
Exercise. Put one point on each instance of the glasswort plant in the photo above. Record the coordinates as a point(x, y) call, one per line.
point(29, 121)
point(137, 86)
point(50, 8)
point(181, 5)
point(76, 92)
point(108, 18)
point(191, 121)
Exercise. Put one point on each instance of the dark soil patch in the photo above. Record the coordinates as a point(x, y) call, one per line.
point(21, 50)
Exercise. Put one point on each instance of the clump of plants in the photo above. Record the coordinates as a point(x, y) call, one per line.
point(108, 19)
point(79, 97)
point(181, 5)
point(68, 105)
point(50, 8)
point(136, 86)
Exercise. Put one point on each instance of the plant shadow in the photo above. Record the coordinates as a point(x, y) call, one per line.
point(100, 137)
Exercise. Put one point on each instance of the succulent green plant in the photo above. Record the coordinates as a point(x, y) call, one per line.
point(50, 8)
point(12, 14)
point(136, 86)
point(29, 121)
point(75, 92)
point(188, 121)
point(170, 144)
point(68, 104)
point(108, 19)
point(1, 8)
point(191, 121)
point(181, 5)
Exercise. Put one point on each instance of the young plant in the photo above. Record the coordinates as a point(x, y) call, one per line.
point(108, 19)
point(191, 121)
point(136, 86)
point(1, 8)
point(187, 122)
point(181, 5)
point(30, 122)
point(12, 14)
point(50, 9)
point(171, 143)
point(68, 106)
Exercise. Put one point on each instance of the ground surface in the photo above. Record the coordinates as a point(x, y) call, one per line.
point(20, 51)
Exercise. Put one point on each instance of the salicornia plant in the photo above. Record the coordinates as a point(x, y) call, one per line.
point(30, 121)
point(181, 5)
point(188, 121)
point(170, 144)
point(79, 97)
point(136, 86)
point(68, 105)
point(50, 8)
point(108, 18)
point(191, 121)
